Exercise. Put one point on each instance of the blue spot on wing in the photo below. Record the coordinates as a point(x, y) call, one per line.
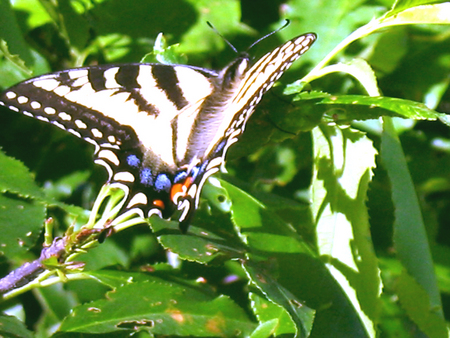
point(146, 177)
point(133, 161)
point(162, 183)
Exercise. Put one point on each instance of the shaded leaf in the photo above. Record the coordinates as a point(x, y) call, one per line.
point(11, 327)
point(414, 299)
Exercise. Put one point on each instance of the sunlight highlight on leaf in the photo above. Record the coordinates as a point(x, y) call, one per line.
point(343, 169)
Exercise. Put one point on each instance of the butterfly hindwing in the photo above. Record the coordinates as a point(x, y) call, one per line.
point(159, 130)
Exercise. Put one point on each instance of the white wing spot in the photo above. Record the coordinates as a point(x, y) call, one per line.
point(35, 105)
point(109, 145)
point(80, 124)
point(11, 95)
point(154, 211)
point(112, 139)
point(50, 110)
point(64, 116)
point(74, 132)
point(47, 84)
point(97, 133)
point(15, 109)
point(61, 90)
point(109, 170)
point(22, 99)
point(56, 123)
point(110, 156)
point(27, 113)
point(124, 176)
point(139, 198)
point(110, 77)
point(77, 73)
point(42, 118)
point(95, 143)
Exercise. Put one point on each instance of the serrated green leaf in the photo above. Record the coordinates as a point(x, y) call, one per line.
point(256, 227)
point(410, 236)
point(344, 160)
point(21, 222)
point(10, 32)
point(273, 315)
point(300, 314)
point(201, 246)
point(116, 279)
point(359, 107)
point(160, 308)
point(15, 178)
point(17, 65)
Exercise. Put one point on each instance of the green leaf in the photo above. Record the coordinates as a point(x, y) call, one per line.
point(160, 308)
point(36, 14)
point(21, 221)
point(163, 53)
point(74, 24)
point(107, 254)
point(332, 23)
point(201, 246)
point(400, 5)
point(269, 312)
point(410, 236)
point(344, 160)
point(11, 327)
point(225, 15)
point(265, 329)
point(424, 14)
point(16, 178)
point(346, 108)
point(414, 299)
point(285, 270)
point(10, 32)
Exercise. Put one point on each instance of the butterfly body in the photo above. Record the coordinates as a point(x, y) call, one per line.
point(159, 130)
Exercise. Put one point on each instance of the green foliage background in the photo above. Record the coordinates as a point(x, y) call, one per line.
point(332, 220)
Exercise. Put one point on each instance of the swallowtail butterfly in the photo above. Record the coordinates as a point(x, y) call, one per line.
point(159, 130)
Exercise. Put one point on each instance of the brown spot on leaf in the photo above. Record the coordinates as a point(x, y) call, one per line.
point(215, 325)
point(176, 315)
point(136, 324)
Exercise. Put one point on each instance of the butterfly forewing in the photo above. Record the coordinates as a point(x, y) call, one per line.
point(159, 130)
point(257, 80)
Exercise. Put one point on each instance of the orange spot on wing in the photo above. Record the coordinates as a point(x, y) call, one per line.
point(159, 204)
point(180, 188)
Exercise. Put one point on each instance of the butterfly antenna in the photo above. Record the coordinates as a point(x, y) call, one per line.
point(224, 39)
point(271, 33)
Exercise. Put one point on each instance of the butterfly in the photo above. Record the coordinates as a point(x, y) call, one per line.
point(159, 130)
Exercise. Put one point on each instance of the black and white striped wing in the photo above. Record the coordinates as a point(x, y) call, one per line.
point(129, 113)
point(234, 105)
point(159, 130)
